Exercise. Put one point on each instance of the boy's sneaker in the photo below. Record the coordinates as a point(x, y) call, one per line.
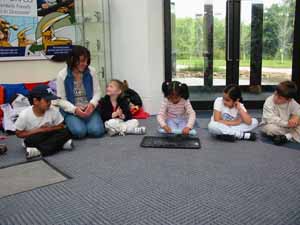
point(3, 149)
point(226, 137)
point(279, 139)
point(23, 145)
point(139, 130)
point(68, 145)
point(32, 153)
point(249, 136)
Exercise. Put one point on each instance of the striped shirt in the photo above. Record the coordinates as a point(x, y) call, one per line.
point(183, 109)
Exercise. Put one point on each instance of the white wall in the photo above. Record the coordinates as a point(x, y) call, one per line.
point(137, 52)
point(138, 47)
point(28, 71)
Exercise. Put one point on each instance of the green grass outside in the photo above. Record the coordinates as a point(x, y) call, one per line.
point(198, 63)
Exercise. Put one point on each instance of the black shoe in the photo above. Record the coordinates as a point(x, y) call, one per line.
point(249, 136)
point(226, 137)
point(279, 140)
point(3, 149)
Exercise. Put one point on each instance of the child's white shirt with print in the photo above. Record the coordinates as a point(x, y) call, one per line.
point(226, 112)
point(28, 120)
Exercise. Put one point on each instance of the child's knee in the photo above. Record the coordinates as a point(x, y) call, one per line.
point(212, 126)
point(79, 132)
point(270, 129)
point(134, 122)
point(254, 123)
point(112, 123)
point(96, 131)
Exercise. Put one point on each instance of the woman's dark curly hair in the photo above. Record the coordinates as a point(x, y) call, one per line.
point(73, 58)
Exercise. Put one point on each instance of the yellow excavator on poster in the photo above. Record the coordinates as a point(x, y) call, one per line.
point(48, 34)
point(5, 26)
point(22, 39)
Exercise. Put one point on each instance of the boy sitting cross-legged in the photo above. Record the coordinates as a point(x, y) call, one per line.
point(281, 115)
point(42, 126)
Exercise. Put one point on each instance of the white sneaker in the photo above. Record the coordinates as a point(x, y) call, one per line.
point(140, 130)
point(32, 153)
point(68, 145)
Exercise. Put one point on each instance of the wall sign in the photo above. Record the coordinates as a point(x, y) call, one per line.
point(36, 29)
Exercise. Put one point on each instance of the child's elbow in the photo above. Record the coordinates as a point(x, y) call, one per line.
point(248, 121)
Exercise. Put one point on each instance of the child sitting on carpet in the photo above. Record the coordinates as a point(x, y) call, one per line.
point(42, 126)
point(230, 120)
point(115, 112)
point(176, 114)
point(281, 115)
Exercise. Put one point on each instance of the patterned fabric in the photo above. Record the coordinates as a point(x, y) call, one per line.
point(183, 109)
point(80, 94)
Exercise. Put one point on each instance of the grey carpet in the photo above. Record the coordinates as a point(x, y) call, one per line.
point(117, 182)
point(27, 176)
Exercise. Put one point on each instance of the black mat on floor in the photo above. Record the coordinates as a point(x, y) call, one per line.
point(175, 142)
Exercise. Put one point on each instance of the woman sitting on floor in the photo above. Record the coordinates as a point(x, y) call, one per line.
point(79, 86)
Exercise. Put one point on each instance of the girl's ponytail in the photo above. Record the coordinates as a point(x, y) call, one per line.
point(166, 88)
point(184, 91)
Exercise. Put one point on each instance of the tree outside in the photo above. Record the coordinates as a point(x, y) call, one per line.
point(277, 44)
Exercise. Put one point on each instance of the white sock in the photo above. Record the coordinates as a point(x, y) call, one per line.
point(68, 145)
point(139, 130)
point(289, 136)
point(32, 152)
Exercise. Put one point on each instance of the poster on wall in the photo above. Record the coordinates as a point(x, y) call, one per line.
point(36, 29)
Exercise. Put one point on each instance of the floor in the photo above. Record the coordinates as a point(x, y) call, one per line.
point(115, 182)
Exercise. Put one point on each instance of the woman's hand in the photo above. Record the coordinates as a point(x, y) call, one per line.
point(186, 131)
point(89, 109)
point(79, 112)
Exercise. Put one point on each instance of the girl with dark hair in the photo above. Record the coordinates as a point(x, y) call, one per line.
point(176, 114)
point(230, 120)
point(79, 89)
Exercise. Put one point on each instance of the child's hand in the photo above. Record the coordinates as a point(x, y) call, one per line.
point(45, 5)
point(115, 115)
point(186, 131)
point(237, 104)
point(167, 129)
point(119, 111)
point(293, 122)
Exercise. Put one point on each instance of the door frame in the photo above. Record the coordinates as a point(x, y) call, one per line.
point(232, 54)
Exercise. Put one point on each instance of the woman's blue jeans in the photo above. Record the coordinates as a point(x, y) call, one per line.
point(85, 127)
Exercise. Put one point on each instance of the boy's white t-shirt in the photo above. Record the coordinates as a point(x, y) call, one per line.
point(27, 120)
point(227, 113)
